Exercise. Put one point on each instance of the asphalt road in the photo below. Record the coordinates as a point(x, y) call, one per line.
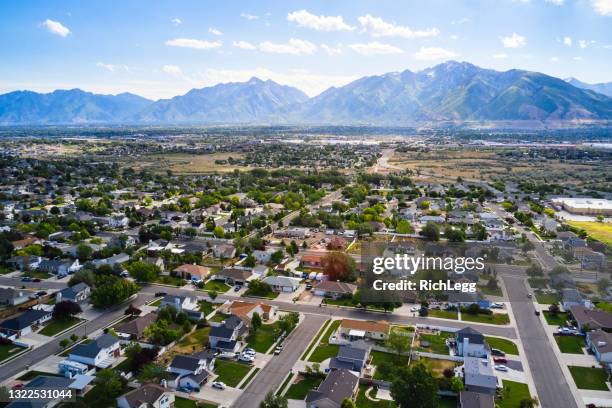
point(553, 390)
point(45, 284)
point(38, 354)
point(273, 374)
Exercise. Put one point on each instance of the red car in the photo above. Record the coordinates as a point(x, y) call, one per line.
point(500, 360)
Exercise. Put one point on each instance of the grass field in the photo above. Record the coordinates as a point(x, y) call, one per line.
point(299, 389)
point(217, 286)
point(185, 163)
point(570, 344)
point(263, 338)
point(607, 306)
point(588, 378)
point(230, 372)
point(437, 343)
point(325, 350)
point(206, 307)
point(504, 345)
point(363, 402)
point(170, 280)
point(493, 318)
point(512, 394)
point(8, 350)
point(598, 230)
point(380, 357)
point(180, 402)
point(315, 340)
point(56, 326)
point(547, 298)
point(538, 283)
point(437, 366)
point(443, 314)
point(557, 319)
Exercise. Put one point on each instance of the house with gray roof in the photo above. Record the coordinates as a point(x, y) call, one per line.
point(337, 386)
point(478, 375)
point(102, 352)
point(471, 343)
point(147, 395)
point(14, 297)
point(77, 293)
point(25, 323)
point(225, 337)
point(191, 371)
point(350, 357)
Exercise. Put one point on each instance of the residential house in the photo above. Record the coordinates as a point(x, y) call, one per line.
point(263, 256)
point(101, 352)
point(471, 343)
point(591, 319)
point(42, 382)
point(226, 336)
point(26, 323)
point(147, 396)
point(235, 275)
point(77, 293)
point(191, 372)
point(192, 272)
point(134, 329)
point(14, 297)
point(156, 261)
point(281, 283)
point(59, 267)
point(471, 399)
point(28, 240)
point(224, 251)
point(113, 260)
point(24, 263)
point(313, 260)
point(246, 310)
point(186, 304)
point(293, 232)
point(351, 358)
point(600, 343)
point(334, 290)
point(359, 329)
point(337, 386)
point(478, 375)
point(118, 221)
point(571, 297)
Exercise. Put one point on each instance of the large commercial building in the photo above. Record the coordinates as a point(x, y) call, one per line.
point(587, 206)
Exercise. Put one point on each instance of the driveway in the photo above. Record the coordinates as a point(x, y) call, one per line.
point(273, 374)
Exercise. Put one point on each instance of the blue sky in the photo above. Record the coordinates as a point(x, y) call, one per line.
point(159, 49)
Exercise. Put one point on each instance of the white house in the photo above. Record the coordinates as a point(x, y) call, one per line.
point(471, 343)
point(282, 283)
point(118, 221)
point(102, 352)
point(600, 343)
point(147, 396)
point(191, 371)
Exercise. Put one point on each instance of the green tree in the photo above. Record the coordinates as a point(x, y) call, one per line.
point(431, 231)
point(415, 387)
point(83, 252)
point(398, 343)
point(219, 231)
point(273, 401)
point(256, 321)
point(348, 403)
point(404, 227)
point(456, 385)
point(64, 343)
point(144, 272)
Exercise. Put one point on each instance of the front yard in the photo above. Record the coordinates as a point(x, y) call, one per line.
point(547, 298)
point(299, 389)
point(263, 339)
point(556, 319)
point(56, 326)
point(588, 378)
point(512, 394)
point(325, 350)
point(8, 350)
point(570, 344)
point(504, 345)
point(230, 372)
point(493, 318)
point(217, 286)
point(443, 314)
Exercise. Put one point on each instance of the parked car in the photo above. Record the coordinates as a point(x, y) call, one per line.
point(237, 288)
point(160, 294)
point(497, 305)
point(278, 350)
point(246, 358)
point(308, 286)
point(249, 350)
point(26, 279)
point(498, 353)
point(41, 293)
point(500, 360)
point(537, 312)
point(218, 385)
point(529, 295)
point(36, 280)
point(500, 367)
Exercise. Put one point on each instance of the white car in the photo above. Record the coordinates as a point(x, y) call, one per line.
point(246, 358)
point(218, 385)
point(500, 367)
point(415, 308)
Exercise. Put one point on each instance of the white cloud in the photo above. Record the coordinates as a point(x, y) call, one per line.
point(603, 7)
point(55, 27)
point(311, 83)
point(214, 31)
point(500, 56)
point(577, 58)
point(193, 43)
point(331, 50)
point(112, 67)
point(454, 37)
point(377, 27)
point(554, 59)
point(176, 72)
point(248, 16)
point(567, 41)
point(583, 43)
point(320, 23)
point(556, 2)
point(176, 21)
point(294, 46)
point(514, 41)
point(434, 53)
point(245, 45)
point(375, 48)
point(460, 21)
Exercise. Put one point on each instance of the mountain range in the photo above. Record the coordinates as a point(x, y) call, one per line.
point(452, 91)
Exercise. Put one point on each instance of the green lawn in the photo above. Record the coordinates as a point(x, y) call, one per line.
point(443, 314)
point(340, 302)
point(512, 394)
point(263, 338)
point(217, 286)
point(315, 340)
point(219, 317)
point(547, 298)
point(570, 344)
point(485, 290)
point(170, 280)
point(194, 341)
point(504, 345)
point(380, 357)
point(437, 343)
point(363, 402)
point(37, 274)
point(589, 378)
point(249, 378)
point(180, 402)
point(325, 350)
point(447, 402)
point(8, 350)
point(206, 307)
point(607, 306)
point(557, 319)
point(268, 295)
point(493, 318)
point(156, 303)
point(96, 398)
point(299, 389)
point(230, 372)
point(403, 329)
point(56, 326)
point(538, 283)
